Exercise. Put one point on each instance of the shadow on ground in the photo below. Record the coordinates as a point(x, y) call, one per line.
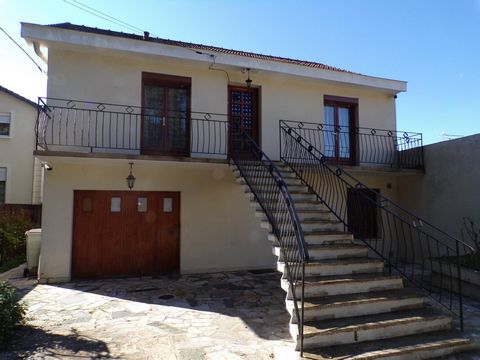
point(35, 342)
point(253, 296)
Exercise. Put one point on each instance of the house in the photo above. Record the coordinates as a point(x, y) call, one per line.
point(141, 136)
point(20, 172)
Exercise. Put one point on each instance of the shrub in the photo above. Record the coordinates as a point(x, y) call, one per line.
point(11, 312)
point(12, 237)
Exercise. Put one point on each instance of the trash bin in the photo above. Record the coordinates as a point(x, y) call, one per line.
point(34, 237)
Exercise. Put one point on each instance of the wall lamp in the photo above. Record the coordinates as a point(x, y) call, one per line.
point(248, 81)
point(46, 166)
point(130, 178)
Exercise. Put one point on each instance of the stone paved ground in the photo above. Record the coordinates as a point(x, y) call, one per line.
point(238, 315)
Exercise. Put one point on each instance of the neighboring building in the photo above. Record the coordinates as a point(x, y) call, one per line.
point(139, 134)
point(20, 172)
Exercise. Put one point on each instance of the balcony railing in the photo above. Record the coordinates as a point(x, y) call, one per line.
point(83, 126)
point(362, 146)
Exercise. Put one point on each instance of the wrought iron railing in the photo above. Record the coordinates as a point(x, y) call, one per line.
point(74, 125)
point(360, 145)
point(271, 192)
point(423, 254)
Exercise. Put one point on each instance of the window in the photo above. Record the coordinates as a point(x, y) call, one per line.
point(5, 124)
point(3, 184)
point(339, 135)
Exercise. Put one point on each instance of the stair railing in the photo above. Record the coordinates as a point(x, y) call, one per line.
point(427, 257)
point(271, 192)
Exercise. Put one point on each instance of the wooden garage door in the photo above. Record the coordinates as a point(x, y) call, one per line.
point(125, 233)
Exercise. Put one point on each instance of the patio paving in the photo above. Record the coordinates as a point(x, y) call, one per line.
point(235, 315)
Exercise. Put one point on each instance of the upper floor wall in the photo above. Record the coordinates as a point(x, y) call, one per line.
point(114, 77)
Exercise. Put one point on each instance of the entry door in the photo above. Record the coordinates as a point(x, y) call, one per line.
point(339, 137)
point(363, 212)
point(243, 117)
point(125, 233)
point(166, 115)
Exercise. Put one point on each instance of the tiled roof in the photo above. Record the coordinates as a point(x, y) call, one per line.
point(15, 95)
point(198, 47)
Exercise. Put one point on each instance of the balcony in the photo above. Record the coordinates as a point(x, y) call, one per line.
point(360, 146)
point(76, 127)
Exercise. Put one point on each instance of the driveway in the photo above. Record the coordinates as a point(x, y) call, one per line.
point(235, 315)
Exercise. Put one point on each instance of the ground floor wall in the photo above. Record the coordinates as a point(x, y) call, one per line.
point(218, 227)
point(449, 189)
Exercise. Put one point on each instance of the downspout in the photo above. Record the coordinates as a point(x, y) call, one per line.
point(38, 51)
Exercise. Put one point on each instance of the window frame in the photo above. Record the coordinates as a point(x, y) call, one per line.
point(9, 135)
point(352, 104)
point(4, 201)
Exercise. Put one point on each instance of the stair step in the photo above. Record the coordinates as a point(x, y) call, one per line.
point(352, 305)
point(322, 237)
point(371, 327)
point(340, 267)
point(289, 180)
point(296, 196)
point(303, 214)
point(329, 251)
point(425, 346)
point(344, 284)
point(312, 225)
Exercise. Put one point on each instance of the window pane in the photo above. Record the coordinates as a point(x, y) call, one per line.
point(167, 205)
point(344, 138)
point(4, 118)
point(328, 134)
point(142, 204)
point(3, 174)
point(4, 129)
point(2, 192)
point(116, 204)
point(87, 205)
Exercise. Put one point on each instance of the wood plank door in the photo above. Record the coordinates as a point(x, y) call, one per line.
point(120, 233)
point(243, 116)
point(165, 115)
point(363, 212)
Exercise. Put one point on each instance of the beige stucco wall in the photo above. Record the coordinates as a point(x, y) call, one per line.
point(116, 78)
point(16, 152)
point(219, 230)
point(449, 190)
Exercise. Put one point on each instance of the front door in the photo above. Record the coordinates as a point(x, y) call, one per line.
point(243, 118)
point(125, 233)
point(165, 115)
point(363, 213)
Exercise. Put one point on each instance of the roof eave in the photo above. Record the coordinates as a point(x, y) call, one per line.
point(54, 37)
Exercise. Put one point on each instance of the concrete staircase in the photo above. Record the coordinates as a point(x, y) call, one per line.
point(352, 309)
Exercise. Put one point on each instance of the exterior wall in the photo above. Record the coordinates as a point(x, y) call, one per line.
point(116, 78)
point(16, 152)
point(448, 190)
point(219, 230)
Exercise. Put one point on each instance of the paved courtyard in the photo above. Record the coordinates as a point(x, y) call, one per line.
point(236, 315)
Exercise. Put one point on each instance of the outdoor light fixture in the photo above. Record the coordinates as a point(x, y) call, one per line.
point(248, 81)
point(130, 178)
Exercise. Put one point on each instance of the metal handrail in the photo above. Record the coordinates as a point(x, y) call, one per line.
point(361, 145)
point(88, 126)
point(271, 192)
point(425, 255)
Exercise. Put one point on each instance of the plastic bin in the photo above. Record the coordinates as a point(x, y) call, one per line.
point(34, 238)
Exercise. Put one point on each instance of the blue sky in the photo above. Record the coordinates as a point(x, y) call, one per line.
point(434, 45)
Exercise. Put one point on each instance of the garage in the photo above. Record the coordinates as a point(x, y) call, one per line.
point(125, 233)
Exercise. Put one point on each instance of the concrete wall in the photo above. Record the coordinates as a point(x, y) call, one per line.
point(219, 230)
point(449, 190)
point(16, 152)
point(116, 78)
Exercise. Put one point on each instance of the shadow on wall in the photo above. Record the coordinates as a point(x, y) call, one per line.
point(30, 341)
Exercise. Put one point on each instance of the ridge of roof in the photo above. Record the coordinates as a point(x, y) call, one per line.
point(17, 96)
point(194, 46)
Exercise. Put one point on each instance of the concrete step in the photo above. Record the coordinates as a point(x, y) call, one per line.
point(353, 305)
point(340, 267)
point(308, 215)
point(344, 284)
point(312, 225)
point(322, 237)
point(426, 346)
point(295, 195)
point(329, 251)
point(289, 180)
point(371, 327)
